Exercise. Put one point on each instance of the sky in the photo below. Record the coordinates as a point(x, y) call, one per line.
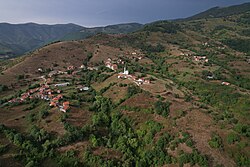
point(90, 13)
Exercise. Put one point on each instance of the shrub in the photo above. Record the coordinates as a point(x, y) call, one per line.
point(216, 141)
point(232, 138)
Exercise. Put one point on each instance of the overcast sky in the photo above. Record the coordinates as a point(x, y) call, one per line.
point(103, 12)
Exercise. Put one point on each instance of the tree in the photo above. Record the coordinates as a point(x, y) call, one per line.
point(162, 108)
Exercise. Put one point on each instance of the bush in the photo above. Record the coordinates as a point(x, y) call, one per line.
point(216, 141)
point(232, 138)
point(3, 88)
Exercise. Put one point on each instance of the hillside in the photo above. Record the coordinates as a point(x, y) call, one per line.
point(174, 93)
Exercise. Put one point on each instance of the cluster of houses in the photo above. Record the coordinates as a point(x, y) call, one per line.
point(135, 55)
point(112, 64)
point(205, 44)
point(55, 102)
point(185, 54)
point(52, 73)
point(138, 81)
point(45, 93)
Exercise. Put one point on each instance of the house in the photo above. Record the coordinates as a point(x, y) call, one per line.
point(92, 68)
point(225, 83)
point(62, 84)
point(114, 67)
point(248, 60)
point(210, 77)
point(120, 61)
point(120, 75)
point(60, 96)
point(65, 106)
point(70, 68)
point(52, 73)
point(52, 104)
point(83, 67)
point(83, 88)
point(40, 70)
point(200, 58)
point(108, 64)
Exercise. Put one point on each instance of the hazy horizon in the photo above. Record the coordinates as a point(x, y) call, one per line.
point(94, 13)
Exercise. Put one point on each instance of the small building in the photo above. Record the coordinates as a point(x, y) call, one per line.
point(70, 68)
point(114, 67)
point(40, 70)
point(83, 67)
point(65, 106)
point(248, 61)
point(62, 84)
point(225, 83)
point(147, 81)
point(210, 77)
point(92, 68)
point(83, 88)
point(52, 104)
point(52, 73)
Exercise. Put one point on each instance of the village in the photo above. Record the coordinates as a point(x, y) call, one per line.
point(55, 97)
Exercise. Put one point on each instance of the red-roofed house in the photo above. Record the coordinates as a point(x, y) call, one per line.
point(225, 83)
point(52, 104)
point(65, 106)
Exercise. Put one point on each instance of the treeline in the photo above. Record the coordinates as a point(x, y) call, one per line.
point(163, 26)
point(242, 45)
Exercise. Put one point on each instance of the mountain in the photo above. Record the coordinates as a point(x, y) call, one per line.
point(111, 29)
point(174, 93)
point(222, 11)
point(16, 39)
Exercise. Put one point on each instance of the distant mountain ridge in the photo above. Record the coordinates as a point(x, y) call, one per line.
point(110, 29)
point(16, 39)
point(217, 12)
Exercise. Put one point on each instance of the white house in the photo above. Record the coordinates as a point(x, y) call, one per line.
point(62, 84)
